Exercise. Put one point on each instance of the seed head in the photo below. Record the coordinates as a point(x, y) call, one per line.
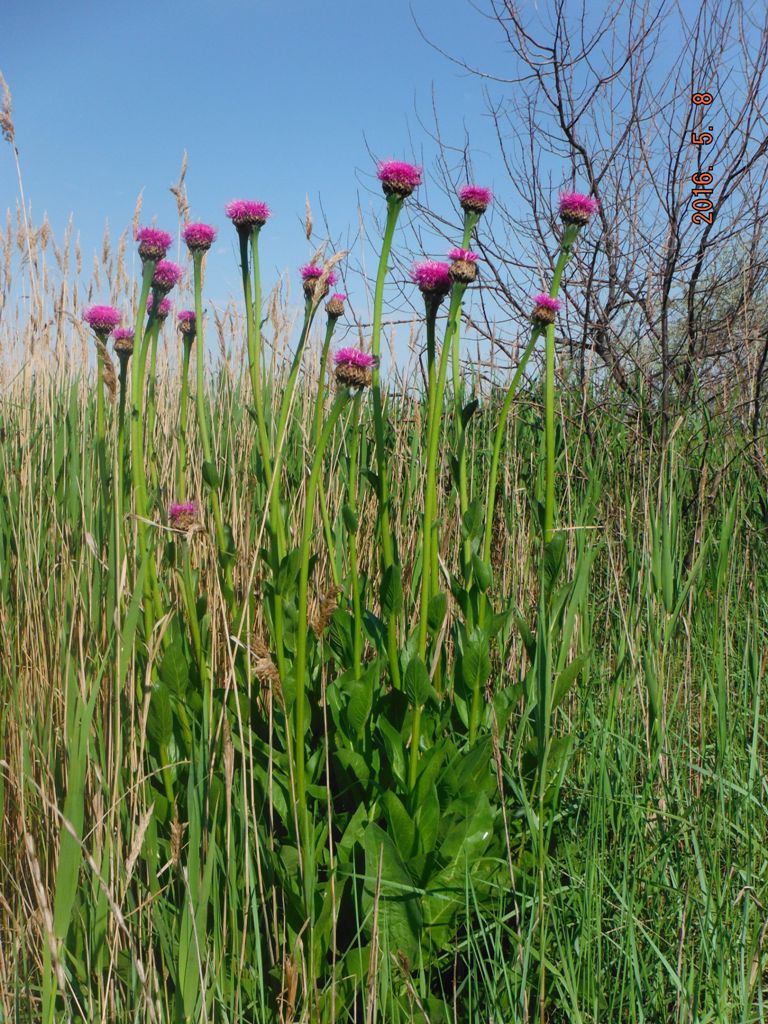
point(199, 237)
point(433, 278)
point(475, 198)
point(122, 339)
point(247, 214)
point(153, 243)
point(576, 208)
point(102, 320)
point(167, 274)
point(185, 321)
point(464, 265)
point(334, 307)
point(545, 310)
point(398, 178)
point(353, 367)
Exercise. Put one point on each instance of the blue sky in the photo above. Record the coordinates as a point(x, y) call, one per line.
point(271, 100)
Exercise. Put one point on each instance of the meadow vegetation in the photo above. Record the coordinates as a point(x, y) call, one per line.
point(380, 693)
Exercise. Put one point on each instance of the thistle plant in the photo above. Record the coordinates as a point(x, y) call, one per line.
point(102, 320)
point(398, 180)
point(159, 318)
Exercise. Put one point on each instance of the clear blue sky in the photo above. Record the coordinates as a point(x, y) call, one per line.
point(271, 100)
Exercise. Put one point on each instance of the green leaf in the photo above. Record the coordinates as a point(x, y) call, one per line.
point(567, 678)
point(428, 820)
point(483, 572)
point(391, 595)
point(469, 411)
point(350, 519)
point(160, 717)
point(417, 685)
point(359, 706)
point(476, 663)
point(173, 669)
point(554, 559)
point(210, 475)
point(436, 611)
point(356, 763)
point(401, 826)
point(400, 915)
point(472, 521)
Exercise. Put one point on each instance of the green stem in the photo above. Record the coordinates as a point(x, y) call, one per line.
point(470, 221)
point(316, 428)
point(120, 471)
point(252, 297)
point(202, 421)
point(430, 501)
point(394, 205)
point(154, 334)
point(301, 631)
point(152, 604)
point(181, 464)
point(353, 567)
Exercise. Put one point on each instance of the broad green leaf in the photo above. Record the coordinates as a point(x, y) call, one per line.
point(417, 685)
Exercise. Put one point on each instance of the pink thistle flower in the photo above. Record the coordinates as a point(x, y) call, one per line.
point(167, 274)
point(334, 307)
point(545, 310)
point(475, 198)
point(398, 178)
point(247, 213)
point(122, 339)
point(186, 322)
point(182, 515)
point(162, 310)
point(463, 254)
point(353, 367)
point(464, 266)
point(576, 208)
point(101, 319)
point(433, 278)
point(153, 243)
point(310, 275)
point(199, 237)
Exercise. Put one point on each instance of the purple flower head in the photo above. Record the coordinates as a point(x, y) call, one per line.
point(463, 254)
point(246, 213)
point(547, 302)
point(475, 198)
point(166, 275)
point(433, 278)
point(186, 321)
point(122, 339)
point(545, 309)
point(198, 237)
point(153, 243)
point(101, 319)
point(182, 515)
point(162, 310)
point(353, 367)
point(310, 275)
point(334, 307)
point(398, 178)
point(576, 208)
point(355, 357)
point(464, 267)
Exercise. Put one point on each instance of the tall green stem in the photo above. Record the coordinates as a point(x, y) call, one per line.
point(151, 589)
point(181, 463)
point(154, 335)
point(430, 500)
point(357, 635)
point(394, 205)
point(252, 298)
point(202, 421)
